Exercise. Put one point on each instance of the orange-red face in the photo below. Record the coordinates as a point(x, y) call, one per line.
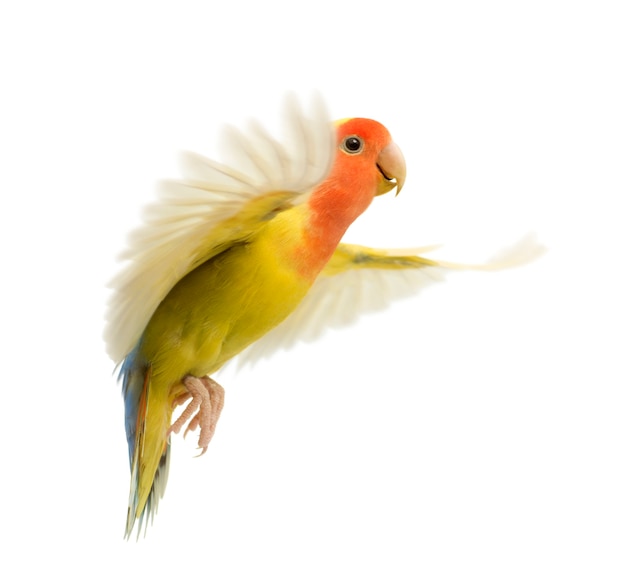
point(367, 163)
point(368, 155)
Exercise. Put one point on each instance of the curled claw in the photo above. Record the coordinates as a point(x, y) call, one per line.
point(207, 401)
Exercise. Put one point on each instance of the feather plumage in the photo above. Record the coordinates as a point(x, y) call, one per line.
point(211, 208)
point(249, 251)
point(359, 280)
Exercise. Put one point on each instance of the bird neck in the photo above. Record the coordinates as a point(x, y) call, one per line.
point(331, 209)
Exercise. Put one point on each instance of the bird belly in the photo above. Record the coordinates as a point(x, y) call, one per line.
point(218, 309)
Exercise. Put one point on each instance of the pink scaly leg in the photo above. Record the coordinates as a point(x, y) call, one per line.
point(207, 401)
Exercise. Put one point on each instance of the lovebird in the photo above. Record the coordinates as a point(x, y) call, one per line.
point(243, 258)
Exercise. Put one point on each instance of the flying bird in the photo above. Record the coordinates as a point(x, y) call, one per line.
point(245, 257)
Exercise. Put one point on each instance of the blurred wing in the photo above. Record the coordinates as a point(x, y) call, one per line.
point(359, 279)
point(211, 209)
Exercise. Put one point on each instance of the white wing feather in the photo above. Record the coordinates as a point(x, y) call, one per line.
point(337, 300)
point(198, 217)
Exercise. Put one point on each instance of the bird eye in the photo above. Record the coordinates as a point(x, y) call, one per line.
point(352, 144)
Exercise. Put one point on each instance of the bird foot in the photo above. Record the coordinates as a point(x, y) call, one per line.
point(207, 401)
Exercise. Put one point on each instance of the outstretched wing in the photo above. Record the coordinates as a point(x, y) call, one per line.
point(360, 279)
point(212, 208)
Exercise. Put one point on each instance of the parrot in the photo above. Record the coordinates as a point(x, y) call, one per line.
point(241, 258)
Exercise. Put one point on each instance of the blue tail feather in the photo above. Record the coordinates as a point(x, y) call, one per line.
point(134, 374)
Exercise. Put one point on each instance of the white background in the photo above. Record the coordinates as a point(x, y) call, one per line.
point(475, 432)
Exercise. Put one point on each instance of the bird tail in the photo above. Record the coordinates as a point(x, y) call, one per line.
point(148, 413)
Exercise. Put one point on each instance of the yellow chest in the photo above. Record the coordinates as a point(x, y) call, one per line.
point(225, 304)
